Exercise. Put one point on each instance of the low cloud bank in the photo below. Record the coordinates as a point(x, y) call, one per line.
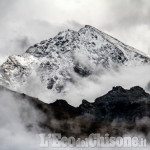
point(16, 114)
point(91, 87)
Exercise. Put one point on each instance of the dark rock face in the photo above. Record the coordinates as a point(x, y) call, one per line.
point(50, 83)
point(117, 113)
point(82, 71)
point(124, 107)
point(121, 104)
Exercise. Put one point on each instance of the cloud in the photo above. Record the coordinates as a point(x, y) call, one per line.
point(37, 20)
point(99, 84)
point(130, 23)
point(24, 23)
point(16, 114)
point(89, 88)
point(131, 13)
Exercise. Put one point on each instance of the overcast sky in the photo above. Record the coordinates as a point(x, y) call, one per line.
point(25, 22)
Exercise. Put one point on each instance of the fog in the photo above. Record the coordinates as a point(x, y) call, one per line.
point(26, 22)
point(89, 88)
point(15, 115)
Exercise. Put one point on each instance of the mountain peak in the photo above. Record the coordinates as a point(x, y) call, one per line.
point(58, 60)
point(91, 27)
point(118, 89)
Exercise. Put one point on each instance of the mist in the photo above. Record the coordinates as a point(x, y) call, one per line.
point(89, 88)
point(16, 114)
point(21, 27)
point(24, 23)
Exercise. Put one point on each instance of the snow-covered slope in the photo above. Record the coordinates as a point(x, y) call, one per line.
point(58, 60)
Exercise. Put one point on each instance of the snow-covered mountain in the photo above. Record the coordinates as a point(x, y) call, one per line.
point(58, 60)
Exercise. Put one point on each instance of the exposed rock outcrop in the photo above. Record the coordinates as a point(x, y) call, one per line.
point(118, 112)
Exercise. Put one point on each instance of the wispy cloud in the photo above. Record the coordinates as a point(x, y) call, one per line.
point(36, 20)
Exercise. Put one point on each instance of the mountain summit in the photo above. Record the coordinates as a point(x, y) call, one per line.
point(68, 55)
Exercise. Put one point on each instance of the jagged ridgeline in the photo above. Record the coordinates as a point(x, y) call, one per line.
point(70, 53)
point(119, 112)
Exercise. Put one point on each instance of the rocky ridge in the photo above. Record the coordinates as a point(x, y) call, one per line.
point(118, 112)
point(70, 53)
